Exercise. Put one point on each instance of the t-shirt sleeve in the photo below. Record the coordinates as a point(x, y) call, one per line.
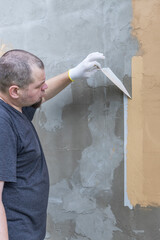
point(8, 151)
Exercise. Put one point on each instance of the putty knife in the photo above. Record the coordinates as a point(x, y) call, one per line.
point(108, 72)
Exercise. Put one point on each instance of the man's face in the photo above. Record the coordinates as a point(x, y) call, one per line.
point(34, 92)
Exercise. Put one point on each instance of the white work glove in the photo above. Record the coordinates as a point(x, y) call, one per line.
point(87, 67)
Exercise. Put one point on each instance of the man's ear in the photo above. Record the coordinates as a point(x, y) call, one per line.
point(14, 91)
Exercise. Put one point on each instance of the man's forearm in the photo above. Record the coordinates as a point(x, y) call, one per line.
point(83, 70)
point(56, 85)
point(3, 223)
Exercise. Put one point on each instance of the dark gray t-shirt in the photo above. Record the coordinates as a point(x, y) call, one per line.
point(24, 171)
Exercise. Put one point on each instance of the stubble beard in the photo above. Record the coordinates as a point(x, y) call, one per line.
point(37, 104)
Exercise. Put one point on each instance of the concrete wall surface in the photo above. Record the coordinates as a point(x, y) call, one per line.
point(81, 129)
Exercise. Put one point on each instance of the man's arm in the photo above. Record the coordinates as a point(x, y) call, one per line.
point(3, 220)
point(82, 71)
point(56, 85)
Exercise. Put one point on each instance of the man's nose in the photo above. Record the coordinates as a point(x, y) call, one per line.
point(44, 86)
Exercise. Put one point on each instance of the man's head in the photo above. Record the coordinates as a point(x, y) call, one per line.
point(22, 77)
point(16, 68)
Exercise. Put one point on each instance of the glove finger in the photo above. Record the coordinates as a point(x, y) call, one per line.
point(94, 65)
point(95, 56)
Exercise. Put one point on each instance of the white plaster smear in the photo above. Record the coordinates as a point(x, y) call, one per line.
point(76, 202)
point(55, 203)
point(79, 238)
point(99, 160)
point(58, 191)
point(71, 200)
point(101, 225)
point(53, 110)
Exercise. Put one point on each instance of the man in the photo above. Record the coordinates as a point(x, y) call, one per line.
point(24, 182)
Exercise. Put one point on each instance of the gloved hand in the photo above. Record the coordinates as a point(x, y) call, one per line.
point(87, 67)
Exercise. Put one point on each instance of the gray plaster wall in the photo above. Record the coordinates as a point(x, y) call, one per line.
point(81, 129)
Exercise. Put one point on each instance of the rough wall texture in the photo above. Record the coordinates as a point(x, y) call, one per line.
point(81, 129)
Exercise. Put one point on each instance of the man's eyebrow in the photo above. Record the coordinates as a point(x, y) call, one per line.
point(41, 83)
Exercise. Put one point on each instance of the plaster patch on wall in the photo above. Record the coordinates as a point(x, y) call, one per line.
point(97, 165)
point(52, 121)
point(80, 238)
point(77, 202)
point(101, 225)
point(58, 191)
point(55, 204)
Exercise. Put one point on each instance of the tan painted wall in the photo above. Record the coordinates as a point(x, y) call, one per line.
point(143, 141)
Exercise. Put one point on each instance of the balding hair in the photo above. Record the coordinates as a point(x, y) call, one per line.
point(16, 68)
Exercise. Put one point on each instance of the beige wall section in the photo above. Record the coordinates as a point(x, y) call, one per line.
point(143, 141)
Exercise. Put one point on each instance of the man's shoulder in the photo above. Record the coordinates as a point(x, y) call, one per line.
point(7, 120)
point(4, 114)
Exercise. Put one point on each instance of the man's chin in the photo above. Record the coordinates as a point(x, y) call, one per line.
point(37, 104)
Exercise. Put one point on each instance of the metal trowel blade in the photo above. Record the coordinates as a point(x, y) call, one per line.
point(108, 72)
